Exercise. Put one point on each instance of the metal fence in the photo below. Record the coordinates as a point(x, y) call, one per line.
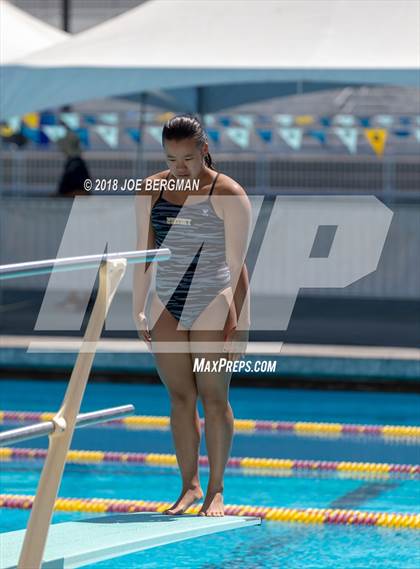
point(38, 173)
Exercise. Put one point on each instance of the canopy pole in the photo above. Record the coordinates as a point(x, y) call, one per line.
point(110, 275)
point(65, 14)
point(139, 166)
point(200, 102)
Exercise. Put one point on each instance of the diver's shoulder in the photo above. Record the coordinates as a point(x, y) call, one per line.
point(227, 186)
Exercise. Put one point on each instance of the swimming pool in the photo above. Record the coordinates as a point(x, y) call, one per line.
point(273, 544)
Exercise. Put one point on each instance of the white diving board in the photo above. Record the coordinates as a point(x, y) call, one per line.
point(91, 540)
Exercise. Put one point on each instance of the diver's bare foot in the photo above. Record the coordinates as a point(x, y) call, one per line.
point(213, 505)
point(186, 499)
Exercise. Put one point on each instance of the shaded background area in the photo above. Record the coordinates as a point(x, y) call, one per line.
point(288, 138)
point(381, 309)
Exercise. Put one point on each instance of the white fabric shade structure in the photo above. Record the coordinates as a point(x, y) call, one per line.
point(21, 34)
point(168, 44)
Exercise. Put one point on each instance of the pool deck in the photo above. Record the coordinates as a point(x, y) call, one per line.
point(292, 360)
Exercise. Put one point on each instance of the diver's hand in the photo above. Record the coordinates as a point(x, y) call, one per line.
point(235, 344)
point(143, 330)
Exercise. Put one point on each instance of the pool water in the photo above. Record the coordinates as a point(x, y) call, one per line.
point(273, 544)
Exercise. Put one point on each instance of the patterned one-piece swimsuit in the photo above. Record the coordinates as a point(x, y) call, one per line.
point(197, 270)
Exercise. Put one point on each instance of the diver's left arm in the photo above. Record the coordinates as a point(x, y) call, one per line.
point(237, 215)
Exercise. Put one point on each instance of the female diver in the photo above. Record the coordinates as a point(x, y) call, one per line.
point(201, 306)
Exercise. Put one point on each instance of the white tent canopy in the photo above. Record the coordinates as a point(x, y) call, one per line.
point(22, 34)
point(166, 44)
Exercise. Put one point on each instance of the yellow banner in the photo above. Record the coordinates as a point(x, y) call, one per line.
point(6, 131)
point(31, 120)
point(377, 138)
point(303, 120)
point(165, 117)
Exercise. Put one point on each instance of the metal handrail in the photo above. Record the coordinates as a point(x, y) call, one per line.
point(111, 270)
point(46, 266)
point(47, 427)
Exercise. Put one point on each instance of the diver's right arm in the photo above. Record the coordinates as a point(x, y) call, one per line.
point(143, 272)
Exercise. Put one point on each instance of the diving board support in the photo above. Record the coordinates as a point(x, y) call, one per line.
point(110, 275)
point(91, 540)
point(112, 267)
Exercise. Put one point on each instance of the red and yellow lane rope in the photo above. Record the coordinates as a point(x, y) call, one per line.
point(274, 464)
point(243, 425)
point(294, 515)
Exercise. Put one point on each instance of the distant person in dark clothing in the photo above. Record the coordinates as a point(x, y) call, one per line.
point(71, 185)
point(75, 169)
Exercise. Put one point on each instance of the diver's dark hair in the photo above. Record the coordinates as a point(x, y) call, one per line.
point(187, 126)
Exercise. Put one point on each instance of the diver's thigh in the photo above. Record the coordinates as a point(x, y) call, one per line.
point(175, 372)
point(218, 315)
point(208, 346)
point(159, 314)
point(171, 350)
